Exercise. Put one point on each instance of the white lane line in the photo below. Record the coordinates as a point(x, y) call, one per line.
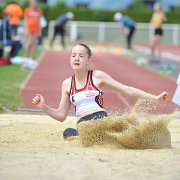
point(169, 55)
point(123, 99)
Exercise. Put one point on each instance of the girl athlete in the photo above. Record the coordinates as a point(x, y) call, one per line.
point(157, 20)
point(85, 91)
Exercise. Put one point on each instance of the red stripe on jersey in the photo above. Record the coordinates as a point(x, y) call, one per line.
point(89, 84)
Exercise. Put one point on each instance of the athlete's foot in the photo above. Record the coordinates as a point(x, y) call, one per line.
point(154, 60)
point(129, 48)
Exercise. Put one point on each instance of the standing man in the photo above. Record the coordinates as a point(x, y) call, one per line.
point(59, 27)
point(32, 16)
point(16, 13)
point(128, 23)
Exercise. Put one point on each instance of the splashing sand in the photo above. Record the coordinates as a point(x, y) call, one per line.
point(135, 129)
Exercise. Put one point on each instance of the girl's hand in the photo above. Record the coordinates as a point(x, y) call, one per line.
point(38, 100)
point(163, 96)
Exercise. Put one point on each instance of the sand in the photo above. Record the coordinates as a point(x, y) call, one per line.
point(32, 147)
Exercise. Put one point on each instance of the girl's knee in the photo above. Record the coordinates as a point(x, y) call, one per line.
point(70, 132)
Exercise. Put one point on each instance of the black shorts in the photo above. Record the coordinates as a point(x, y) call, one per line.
point(94, 116)
point(158, 31)
point(69, 132)
point(59, 30)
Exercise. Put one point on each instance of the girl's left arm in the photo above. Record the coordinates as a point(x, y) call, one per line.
point(108, 81)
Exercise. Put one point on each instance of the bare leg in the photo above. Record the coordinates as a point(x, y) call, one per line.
point(152, 46)
point(159, 46)
point(155, 45)
point(31, 44)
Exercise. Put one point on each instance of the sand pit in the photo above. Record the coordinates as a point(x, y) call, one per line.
point(32, 147)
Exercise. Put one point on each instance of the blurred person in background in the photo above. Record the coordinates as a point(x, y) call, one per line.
point(5, 34)
point(130, 26)
point(157, 19)
point(32, 16)
point(60, 27)
point(9, 47)
point(16, 13)
point(43, 23)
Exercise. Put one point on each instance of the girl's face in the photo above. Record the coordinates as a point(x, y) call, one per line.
point(157, 7)
point(79, 58)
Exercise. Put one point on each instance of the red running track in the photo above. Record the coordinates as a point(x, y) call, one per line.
point(54, 68)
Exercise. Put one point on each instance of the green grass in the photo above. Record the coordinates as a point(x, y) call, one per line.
point(11, 79)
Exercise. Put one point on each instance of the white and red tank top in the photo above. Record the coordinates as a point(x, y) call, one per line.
point(86, 99)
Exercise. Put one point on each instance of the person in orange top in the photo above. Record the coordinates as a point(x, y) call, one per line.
point(16, 13)
point(32, 17)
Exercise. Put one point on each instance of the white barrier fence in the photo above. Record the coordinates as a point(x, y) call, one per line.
point(110, 32)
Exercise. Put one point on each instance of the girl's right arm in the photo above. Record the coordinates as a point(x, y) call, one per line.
point(61, 113)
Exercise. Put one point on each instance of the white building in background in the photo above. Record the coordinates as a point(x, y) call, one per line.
point(96, 4)
point(105, 4)
point(52, 2)
point(112, 4)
